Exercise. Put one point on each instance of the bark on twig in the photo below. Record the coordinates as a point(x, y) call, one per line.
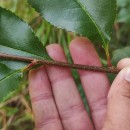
point(61, 64)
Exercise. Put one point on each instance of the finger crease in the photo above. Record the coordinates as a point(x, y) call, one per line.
point(43, 96)
point(72, 111)
point(98, 105)
point(48, 121)
point(61, 78)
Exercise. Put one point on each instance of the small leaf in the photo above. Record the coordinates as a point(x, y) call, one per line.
point(9, 81)
point(123, 3)
point(16, 38)
point(120, 54)
point(91, 18)
point(124, 14)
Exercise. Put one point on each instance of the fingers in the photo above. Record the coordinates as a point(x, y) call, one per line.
point(118, 110)
point(67, 98)
point(45, 111)
point(96, 85)
point(123, 63)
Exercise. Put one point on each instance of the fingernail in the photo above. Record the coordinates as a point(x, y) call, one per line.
point(127, 76)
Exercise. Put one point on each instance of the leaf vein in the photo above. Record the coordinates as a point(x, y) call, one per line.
point(97, 27)
point(10, 74)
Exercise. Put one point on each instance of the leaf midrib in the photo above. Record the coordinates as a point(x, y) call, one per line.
point(94, 22)
point(10, 74)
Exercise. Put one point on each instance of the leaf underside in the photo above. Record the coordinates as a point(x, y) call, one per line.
point(9, 81)
point(91, 18)
point(16, 38)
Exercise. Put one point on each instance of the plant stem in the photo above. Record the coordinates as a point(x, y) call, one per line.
point(57, 63)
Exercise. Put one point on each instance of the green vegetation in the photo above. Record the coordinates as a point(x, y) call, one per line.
point(15, 112)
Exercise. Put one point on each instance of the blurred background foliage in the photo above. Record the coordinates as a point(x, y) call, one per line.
point(16, 113)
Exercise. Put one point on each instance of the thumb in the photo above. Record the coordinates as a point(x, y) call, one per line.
point(118, 108)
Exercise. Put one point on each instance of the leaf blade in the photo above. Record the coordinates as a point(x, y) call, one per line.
point(119, 54)
point(9, 81)
point(80, 16)
point(16, 38)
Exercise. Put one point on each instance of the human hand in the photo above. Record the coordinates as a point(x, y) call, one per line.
point(57, 104)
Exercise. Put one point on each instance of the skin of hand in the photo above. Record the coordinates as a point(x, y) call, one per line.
point(57, 104)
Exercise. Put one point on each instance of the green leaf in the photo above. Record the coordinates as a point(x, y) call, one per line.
point(16, 38)
point(123, 3)
point(124, 11)
point(91, 18)
point(9, 81)
point(120, 54)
